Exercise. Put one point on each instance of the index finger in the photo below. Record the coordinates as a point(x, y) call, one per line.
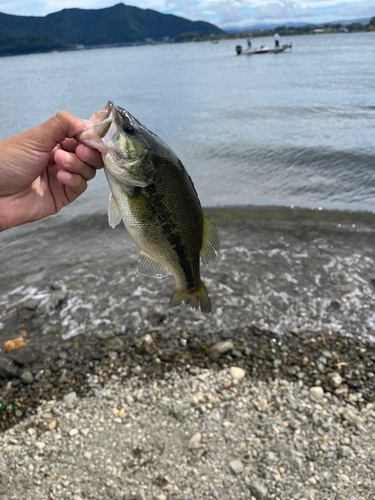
point(90, 156)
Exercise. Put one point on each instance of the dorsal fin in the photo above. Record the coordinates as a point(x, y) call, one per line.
point(114, 216)
point(148, 266)
point(210, 242)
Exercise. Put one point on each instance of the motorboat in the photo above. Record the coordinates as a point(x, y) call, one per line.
point(262, 49)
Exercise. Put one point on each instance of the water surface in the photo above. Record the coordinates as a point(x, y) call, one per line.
point(275, 129)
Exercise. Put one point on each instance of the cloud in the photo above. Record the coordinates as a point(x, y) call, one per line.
point(225, 13)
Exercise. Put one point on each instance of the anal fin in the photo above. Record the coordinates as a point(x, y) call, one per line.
point(210, 242)
point(148, 266)
point(114, 216)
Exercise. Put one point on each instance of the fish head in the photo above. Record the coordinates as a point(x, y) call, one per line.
point(121, 139)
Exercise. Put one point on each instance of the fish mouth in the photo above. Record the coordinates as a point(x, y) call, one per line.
point(104, 129)
point(104, 113)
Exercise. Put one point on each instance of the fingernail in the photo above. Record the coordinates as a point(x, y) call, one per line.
point(68, 160)
point(68, 176)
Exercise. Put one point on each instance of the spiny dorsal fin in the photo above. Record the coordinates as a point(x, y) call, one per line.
point(114, 216)
point(147, 266)
point(210, 242)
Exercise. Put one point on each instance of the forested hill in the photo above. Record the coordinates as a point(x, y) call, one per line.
point(115, 25)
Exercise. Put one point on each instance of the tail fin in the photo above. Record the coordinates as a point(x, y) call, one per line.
point(196, 299)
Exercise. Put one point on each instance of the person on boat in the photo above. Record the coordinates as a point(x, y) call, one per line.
point(249, 37)
point(277, 40)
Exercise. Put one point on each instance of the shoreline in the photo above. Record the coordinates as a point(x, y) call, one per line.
point(74, 290)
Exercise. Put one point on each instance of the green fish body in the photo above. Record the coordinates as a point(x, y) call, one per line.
point(154, 196)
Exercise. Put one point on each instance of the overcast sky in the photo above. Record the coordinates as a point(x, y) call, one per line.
point(224, 13)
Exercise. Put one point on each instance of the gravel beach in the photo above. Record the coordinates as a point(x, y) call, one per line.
point(114, 396)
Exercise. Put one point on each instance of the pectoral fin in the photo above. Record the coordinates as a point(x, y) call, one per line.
point(147, 266)
point(114, 216)
point(210, 242)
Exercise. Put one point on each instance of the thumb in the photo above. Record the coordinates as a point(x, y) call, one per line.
point(57, 129)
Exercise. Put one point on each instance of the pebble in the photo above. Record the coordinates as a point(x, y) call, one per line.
point(217, 350)
point(236, 466)
point(73, 432)
point(237, 373)
point(345, 451)
point(161, 497)
point(140, 495)
point(7, 368)
point(316, 393)
point(335, 379)
point(117, 345)
point(195, 441)
point(258, 490)
point(71, 397)
point(353, 418)
point(26, 377)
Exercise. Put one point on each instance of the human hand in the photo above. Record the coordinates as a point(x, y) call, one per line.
point(43, 169)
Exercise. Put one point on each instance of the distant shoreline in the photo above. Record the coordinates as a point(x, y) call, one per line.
point(214, 38)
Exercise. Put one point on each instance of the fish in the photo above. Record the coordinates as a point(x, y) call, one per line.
point(154, 196)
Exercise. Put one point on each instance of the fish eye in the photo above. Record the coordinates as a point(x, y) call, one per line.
point(128, 128)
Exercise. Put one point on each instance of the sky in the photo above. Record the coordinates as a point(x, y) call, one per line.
point(227, 14)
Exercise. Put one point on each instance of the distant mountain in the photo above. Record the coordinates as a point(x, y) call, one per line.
point(115, 25)
point(261, 27)
point(19, 42)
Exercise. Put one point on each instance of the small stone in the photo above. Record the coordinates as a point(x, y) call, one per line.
point(294, 424)
point(352, 418)
point(73, 432)
point(236, 353)
point(334, 379)
point(161, 497)
point(261, 404)
point(343, 390)
point(7, 368)
point(27, 309)
point(345, 451)
point(40, 445)
point(305, 361)
point(316, 393)
point(70, 398)
point(117, 345)
point(88, 455)
point(26, 377)
point(140, 496)
point(147, 339)
point(195, 441)
point(11, 345)
point(258, 490)
point(219, 349)
point(237, 373)
point(103, 335)
point(52, 425)
point(31, 431)
point(236, 466)
point(23, 356)
point(129, 400)
point(227, 385)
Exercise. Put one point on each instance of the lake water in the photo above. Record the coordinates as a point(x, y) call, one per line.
point(284, 129)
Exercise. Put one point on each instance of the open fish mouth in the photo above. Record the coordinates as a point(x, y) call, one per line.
point(104, 113)
point(104, 129)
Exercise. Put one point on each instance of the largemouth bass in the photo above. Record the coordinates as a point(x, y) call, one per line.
point(155, 197)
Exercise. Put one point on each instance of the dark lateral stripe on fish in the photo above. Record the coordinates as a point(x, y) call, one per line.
point(168, 227)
